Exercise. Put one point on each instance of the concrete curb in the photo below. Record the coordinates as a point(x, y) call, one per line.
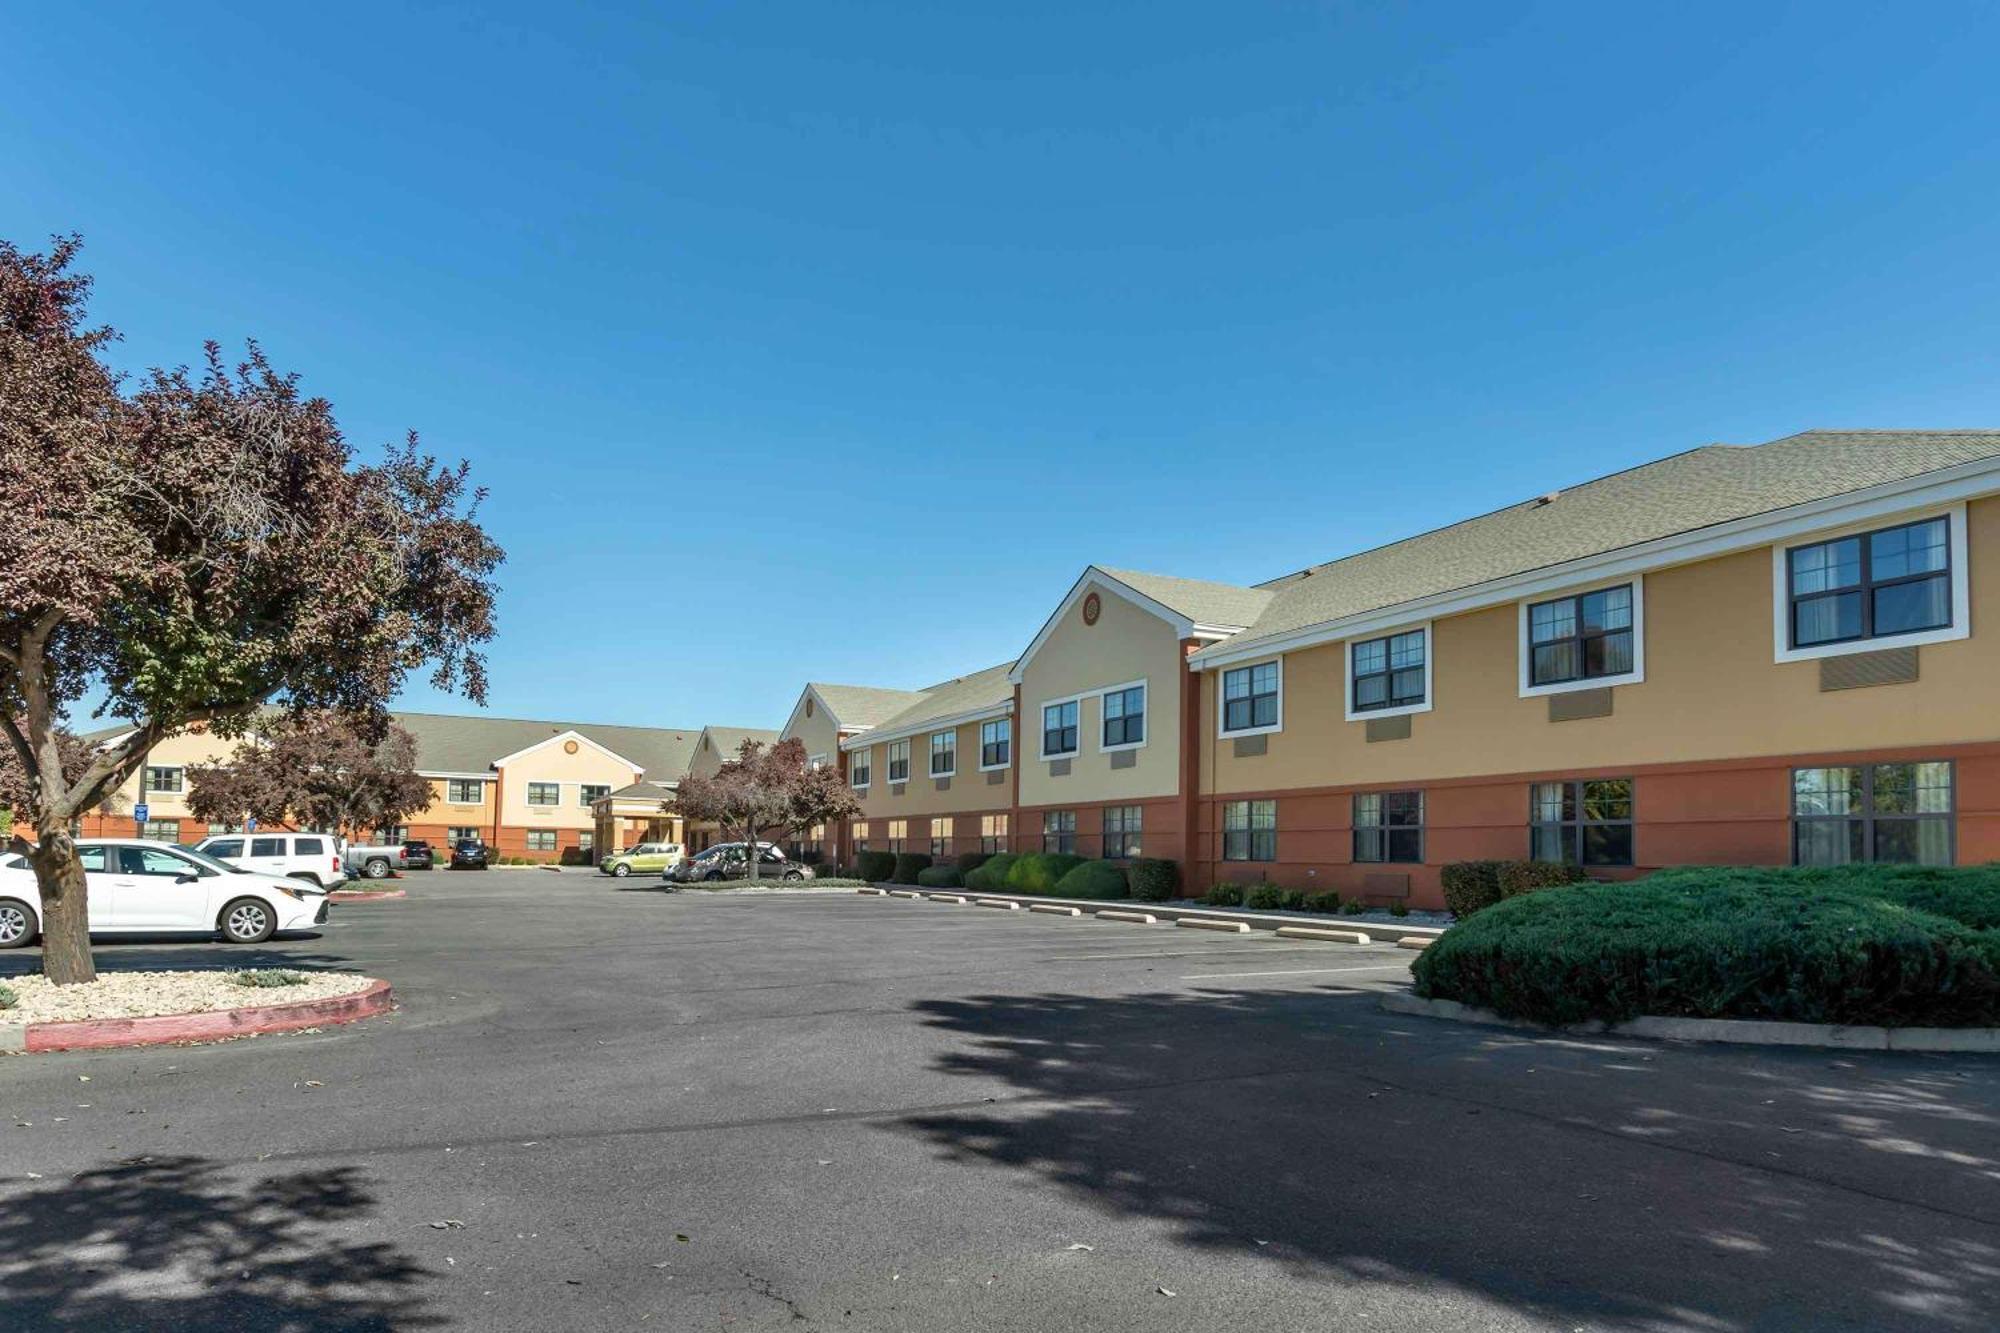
point(1414, 942)
point(873, 893)
point(1198, 923)
point(1005, 904)
point(365, 895)
point(900, 893)
point(1376, 931)
point(1136, 918)
point(958, 898)
point(209, 1025)
point(1316, 933)
point(1733, 1031)
point(1054, 910)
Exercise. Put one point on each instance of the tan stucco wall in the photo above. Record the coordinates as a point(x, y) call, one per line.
point(547, 762)
point(180, 751)
point(1126, 644)
point(1711, 691)
point(455, 815)
point(816, 733)
point(969, 791)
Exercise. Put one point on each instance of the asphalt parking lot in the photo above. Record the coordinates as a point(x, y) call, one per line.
point(621, 1109)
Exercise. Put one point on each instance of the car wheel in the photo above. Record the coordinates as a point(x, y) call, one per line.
point(620, 871)
point(793, 875)
point(376, 869)
point(712, 877)
point(17, 923)
point(248, 921)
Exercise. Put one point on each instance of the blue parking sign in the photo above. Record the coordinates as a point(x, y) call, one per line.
point(139, 813)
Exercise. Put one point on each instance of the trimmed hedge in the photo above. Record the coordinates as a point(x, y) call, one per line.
point(875, 867)
point(1844, 946)
point(1264, 897)
point(909, 865)
point(991, 875)
point(1518, 877)
point(1329, 903)
point(1154, 879)
point(1470, 886)
point(1094, 879)
point(1039, 872)
point(967, 862)
point(940, 877)
point(1224, 895)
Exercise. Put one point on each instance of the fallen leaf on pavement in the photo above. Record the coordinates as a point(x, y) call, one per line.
point(1081, 1246)
point(1163, 1291)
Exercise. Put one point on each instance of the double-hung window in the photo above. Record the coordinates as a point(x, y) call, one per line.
point(1125, 717)
point(1121, 831)
point(465, 791)
point(1873, 812)
point(1585, 637)
point(544, 793)
point(1250, 698)
point(1587, 823)
point(996, 742)
point(993, 834)
point(588, 792)
point(899, 760)
point(899, 832)
point(462, 833)
point(1059, 735)
point(944, 753)
point(1389, 672)
point(859, 769)
point(1250, 831)
point(940, 839)
point(1059, 831)
point(541, 840)
point(165, 779)
point(1389, 826)
point(1875, 585)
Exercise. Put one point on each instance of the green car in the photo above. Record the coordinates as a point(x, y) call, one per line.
point(647, 858)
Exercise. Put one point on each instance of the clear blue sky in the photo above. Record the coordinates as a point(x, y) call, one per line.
point(958, 299)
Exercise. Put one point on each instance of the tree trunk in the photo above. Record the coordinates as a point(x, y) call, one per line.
point(66, 957)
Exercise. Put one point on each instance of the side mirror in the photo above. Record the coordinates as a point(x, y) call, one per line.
point(186, 877)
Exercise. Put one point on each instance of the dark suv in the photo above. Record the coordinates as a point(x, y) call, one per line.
point(469, 854)
point(417, 854)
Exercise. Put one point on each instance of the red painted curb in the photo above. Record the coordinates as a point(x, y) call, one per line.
point(212, 1025)
point(365, 895)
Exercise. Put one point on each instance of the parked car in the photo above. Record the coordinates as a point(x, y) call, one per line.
point(470, 854)
point(311, 857)
point(417, 854)
point(150, 888)
point(726, 860)
point(376, 862)
point(646, 858)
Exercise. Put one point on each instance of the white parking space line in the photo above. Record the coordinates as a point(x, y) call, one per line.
point(1298, 972)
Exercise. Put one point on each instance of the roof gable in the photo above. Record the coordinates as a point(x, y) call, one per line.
point(1182, 603)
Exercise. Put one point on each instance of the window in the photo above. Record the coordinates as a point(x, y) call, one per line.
point(91, 858)
point(1250, 831)
point(1389, 672)
point(223, 851)
point(158, 831)
point(1250, 698)
point(1586, 637)
point(1875, 585)
point(165, 779)
point(146, 861)
point(389, 837)
point(1389, 826)
point(309, 847)
point(267, 846)
point(996, 742)
point(1873, 812)
point(465, 791)
point(541, 839)
point(587, 792)
point(215, 828)
point(586, 841)
point(993, 834)
point(860, 836)
point(1121, 831)
point(1059, 831)
point(899, 761)
point(859, 770)
point(463, 833)
point(544, 793)
point(1059, 729)
point(1125, 717)
point(1586, 823)
point(944, 753)
point(940, 839)
point(899, 830)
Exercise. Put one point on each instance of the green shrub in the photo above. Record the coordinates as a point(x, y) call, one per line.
point(1399, 908)
point(1039, 872)
point(1224, 895)
point(967, 862)
point(908, 866)
point(991, 875)
point(1324, 902)
point(1805, 946)
point(1263, 897)
point(1292, 900)
point(8, 999)
point(875, 867)
point(1093, 879)
point(1470, 886)
point(265, 978)
point(940, 877)
point(1518, 877)
point(1358, 907)
point(1154, 879)
point(1969, 895)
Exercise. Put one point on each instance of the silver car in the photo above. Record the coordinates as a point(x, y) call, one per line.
point(725, 861)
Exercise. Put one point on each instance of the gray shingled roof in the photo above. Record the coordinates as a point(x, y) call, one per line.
point(728, 740)
point(640, 791)
point(1203, 602)
point(962, 694)
point(1681, 493)
point(448, 743)
point(863, 705)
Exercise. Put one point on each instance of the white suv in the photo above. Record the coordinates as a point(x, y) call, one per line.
point(313, 857)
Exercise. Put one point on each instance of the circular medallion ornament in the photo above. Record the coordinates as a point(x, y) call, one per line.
point(569, 747)
point(1092, 608)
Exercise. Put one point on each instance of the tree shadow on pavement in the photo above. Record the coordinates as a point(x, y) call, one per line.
point(174, 1243)
point(1601, 1183)
point(163, 955)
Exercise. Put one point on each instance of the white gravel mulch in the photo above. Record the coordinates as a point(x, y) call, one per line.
point(142, 994)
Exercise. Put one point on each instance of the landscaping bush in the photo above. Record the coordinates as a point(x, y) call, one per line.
point(1039, 872)
point(1094, 879)
point(1399, 908)
point(1292, 900)
point(264, 978)
point(909, 865)
point(8, 999)
point(874, 866)
point(1470, 886)
point(1517, 877)
point(1264, 897)
point(940, 877)
point(1324, 902)
point(1154, 879)
point(967, 862)
point(1224, 895)
point(1808, 946)
point(991, 875)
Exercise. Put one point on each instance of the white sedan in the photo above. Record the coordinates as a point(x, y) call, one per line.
point(146, 888)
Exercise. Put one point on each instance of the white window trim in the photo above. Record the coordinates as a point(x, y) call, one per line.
point(1042, 727)
point(1403, 710)
point(930, 752)
point(542, 805)
point(586, 802)
point(1007, 722)
point(1145, 710)
point(1961, 589)
point(866, 752)
point(1633, 677)
point(888, 756)
point(814, 761)
point(1222, 712)
point(449, 799)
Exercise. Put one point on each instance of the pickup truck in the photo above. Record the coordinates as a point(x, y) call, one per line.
point(374, 862)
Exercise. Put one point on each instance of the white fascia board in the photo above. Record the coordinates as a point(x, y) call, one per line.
point(1946, 485)
point(463, 777)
